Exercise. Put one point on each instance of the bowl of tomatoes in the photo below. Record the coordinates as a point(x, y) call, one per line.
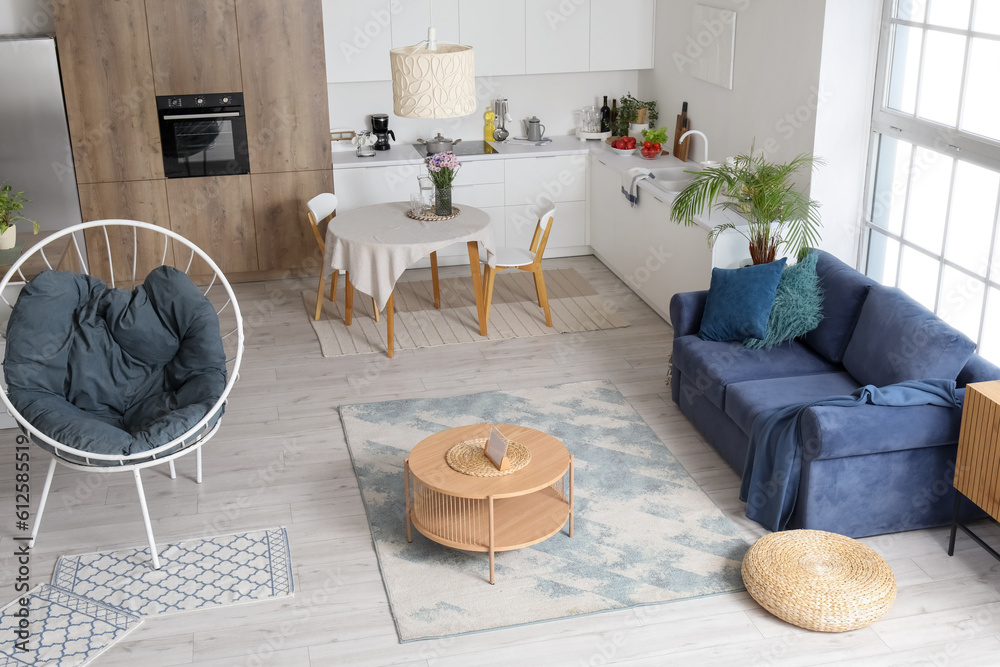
point(622, 145)
point(652, 146)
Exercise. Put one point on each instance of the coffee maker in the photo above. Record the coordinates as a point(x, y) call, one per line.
point(380, 128)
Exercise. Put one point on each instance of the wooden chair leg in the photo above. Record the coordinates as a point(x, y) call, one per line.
point(375, 309)
point(348, 299)
point(389, 332)
point(543, 297)
point(488, 295)
point(333, 285)
point(319, 297)
point(434, 280)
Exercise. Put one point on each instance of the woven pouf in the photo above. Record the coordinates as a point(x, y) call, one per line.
point(818, 580)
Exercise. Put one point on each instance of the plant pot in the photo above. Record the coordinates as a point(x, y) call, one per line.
point(442, 201)
point(9, 238)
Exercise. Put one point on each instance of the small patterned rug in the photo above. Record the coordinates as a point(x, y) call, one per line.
point(62, 629)
point(645, 532)
point(194, 574)
point(573, 302)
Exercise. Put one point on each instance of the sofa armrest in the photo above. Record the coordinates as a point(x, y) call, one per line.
point(831, 432)
point(977, 369)
point(686, 309)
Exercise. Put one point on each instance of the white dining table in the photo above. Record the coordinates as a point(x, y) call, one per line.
point(375, 244)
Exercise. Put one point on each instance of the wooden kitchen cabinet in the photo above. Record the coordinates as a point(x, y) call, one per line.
point(216, 214)
point(284, 75)
point(194, 46)
point(497, 37)
point(609, 51)
point(145, 201)
point(107, 80)
point(284, 237)
point(557, 36)
point(358, 36)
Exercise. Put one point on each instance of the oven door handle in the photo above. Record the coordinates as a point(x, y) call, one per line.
point(202, 116)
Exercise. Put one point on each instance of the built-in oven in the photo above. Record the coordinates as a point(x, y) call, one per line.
point(203, 135)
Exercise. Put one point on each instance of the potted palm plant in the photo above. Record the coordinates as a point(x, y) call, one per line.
point(762, 192)
point(11, 204)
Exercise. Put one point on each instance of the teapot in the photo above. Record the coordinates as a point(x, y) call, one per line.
point(534, 129)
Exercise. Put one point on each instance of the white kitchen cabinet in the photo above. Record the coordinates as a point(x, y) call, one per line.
point(374, 185)
point(358, 37)
point(557, 36)
point(410, 23)
point(608, 49)
point(607, 206)
point(496, 33)
point(531, 183)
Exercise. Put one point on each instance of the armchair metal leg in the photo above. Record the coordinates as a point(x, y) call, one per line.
point(145, 518)
point(197, 457)
point(41, 503)
point(173, 470)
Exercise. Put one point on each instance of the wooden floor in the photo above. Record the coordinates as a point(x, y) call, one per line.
point(280, 459)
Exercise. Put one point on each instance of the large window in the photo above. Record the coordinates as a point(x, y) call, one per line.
point(934, 190)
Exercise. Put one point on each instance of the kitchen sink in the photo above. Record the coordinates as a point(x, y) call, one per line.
point(672, 179)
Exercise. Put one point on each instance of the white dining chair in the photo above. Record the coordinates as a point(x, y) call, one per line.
point(321, 210)
point(529, 259)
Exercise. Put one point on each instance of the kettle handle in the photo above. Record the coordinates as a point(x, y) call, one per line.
point(542, 133)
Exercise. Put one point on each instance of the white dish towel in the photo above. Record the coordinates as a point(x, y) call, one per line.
point(630, 182)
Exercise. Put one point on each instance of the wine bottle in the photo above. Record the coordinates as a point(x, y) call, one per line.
point(605, 116)
point(614, 113)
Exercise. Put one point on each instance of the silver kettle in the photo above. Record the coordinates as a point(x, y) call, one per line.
point(534, 129)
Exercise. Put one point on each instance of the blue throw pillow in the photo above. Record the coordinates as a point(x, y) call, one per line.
point(739, 302)
point(798, 305)
point(897, 339)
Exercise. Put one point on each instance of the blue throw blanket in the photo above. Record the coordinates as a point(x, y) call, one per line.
point(774, 457)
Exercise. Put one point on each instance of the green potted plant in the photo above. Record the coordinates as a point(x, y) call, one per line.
point(628, 112)
point(762, 192)
point(11, 204)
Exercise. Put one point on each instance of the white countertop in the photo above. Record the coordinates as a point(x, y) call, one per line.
point(406, 154)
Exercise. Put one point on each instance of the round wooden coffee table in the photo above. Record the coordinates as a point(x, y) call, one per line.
point(489, 513)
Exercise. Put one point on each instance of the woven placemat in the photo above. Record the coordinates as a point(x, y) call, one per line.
point(430, 216)
point(819, 580)
point(468, 458)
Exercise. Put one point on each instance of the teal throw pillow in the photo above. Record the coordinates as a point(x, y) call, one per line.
point(798, 305)
point(739, 302)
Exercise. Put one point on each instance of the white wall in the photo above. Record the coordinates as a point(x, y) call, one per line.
point(26, 17)
point(803, 81)
point(551, 97)
point(775, 77)
point(843, 121)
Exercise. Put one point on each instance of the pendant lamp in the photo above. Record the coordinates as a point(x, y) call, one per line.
point(433, 80)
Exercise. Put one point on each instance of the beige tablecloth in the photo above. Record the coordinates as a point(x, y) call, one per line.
point(377, 243)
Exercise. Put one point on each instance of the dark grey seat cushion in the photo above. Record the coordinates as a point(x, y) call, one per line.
point(112, 371)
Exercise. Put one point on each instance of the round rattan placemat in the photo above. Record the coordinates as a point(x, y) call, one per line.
point(468, 458)
point(430, 216)
point(818, 580)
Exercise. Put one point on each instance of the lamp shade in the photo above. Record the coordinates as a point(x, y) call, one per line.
point(433, 82)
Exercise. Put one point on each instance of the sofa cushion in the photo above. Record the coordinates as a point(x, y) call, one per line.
point(739, 301)
point(711, 366)
point(745, 400)
point(844, 291)
point(897, 339)
point(798, 305)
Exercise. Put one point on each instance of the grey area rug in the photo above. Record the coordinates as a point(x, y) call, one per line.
point(574, 304)
point(644, 530)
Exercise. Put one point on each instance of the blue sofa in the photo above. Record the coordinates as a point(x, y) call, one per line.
point(865, 470)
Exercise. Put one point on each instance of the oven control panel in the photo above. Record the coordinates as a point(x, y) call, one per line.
point(177, 102)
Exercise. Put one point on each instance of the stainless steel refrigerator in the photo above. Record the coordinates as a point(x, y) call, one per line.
point(35, 154)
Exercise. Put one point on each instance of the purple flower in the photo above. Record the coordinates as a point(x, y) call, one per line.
point(442, 168)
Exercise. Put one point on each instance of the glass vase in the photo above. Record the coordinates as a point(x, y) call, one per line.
point(442, 201)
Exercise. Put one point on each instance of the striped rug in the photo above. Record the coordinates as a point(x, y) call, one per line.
point(575, 306)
